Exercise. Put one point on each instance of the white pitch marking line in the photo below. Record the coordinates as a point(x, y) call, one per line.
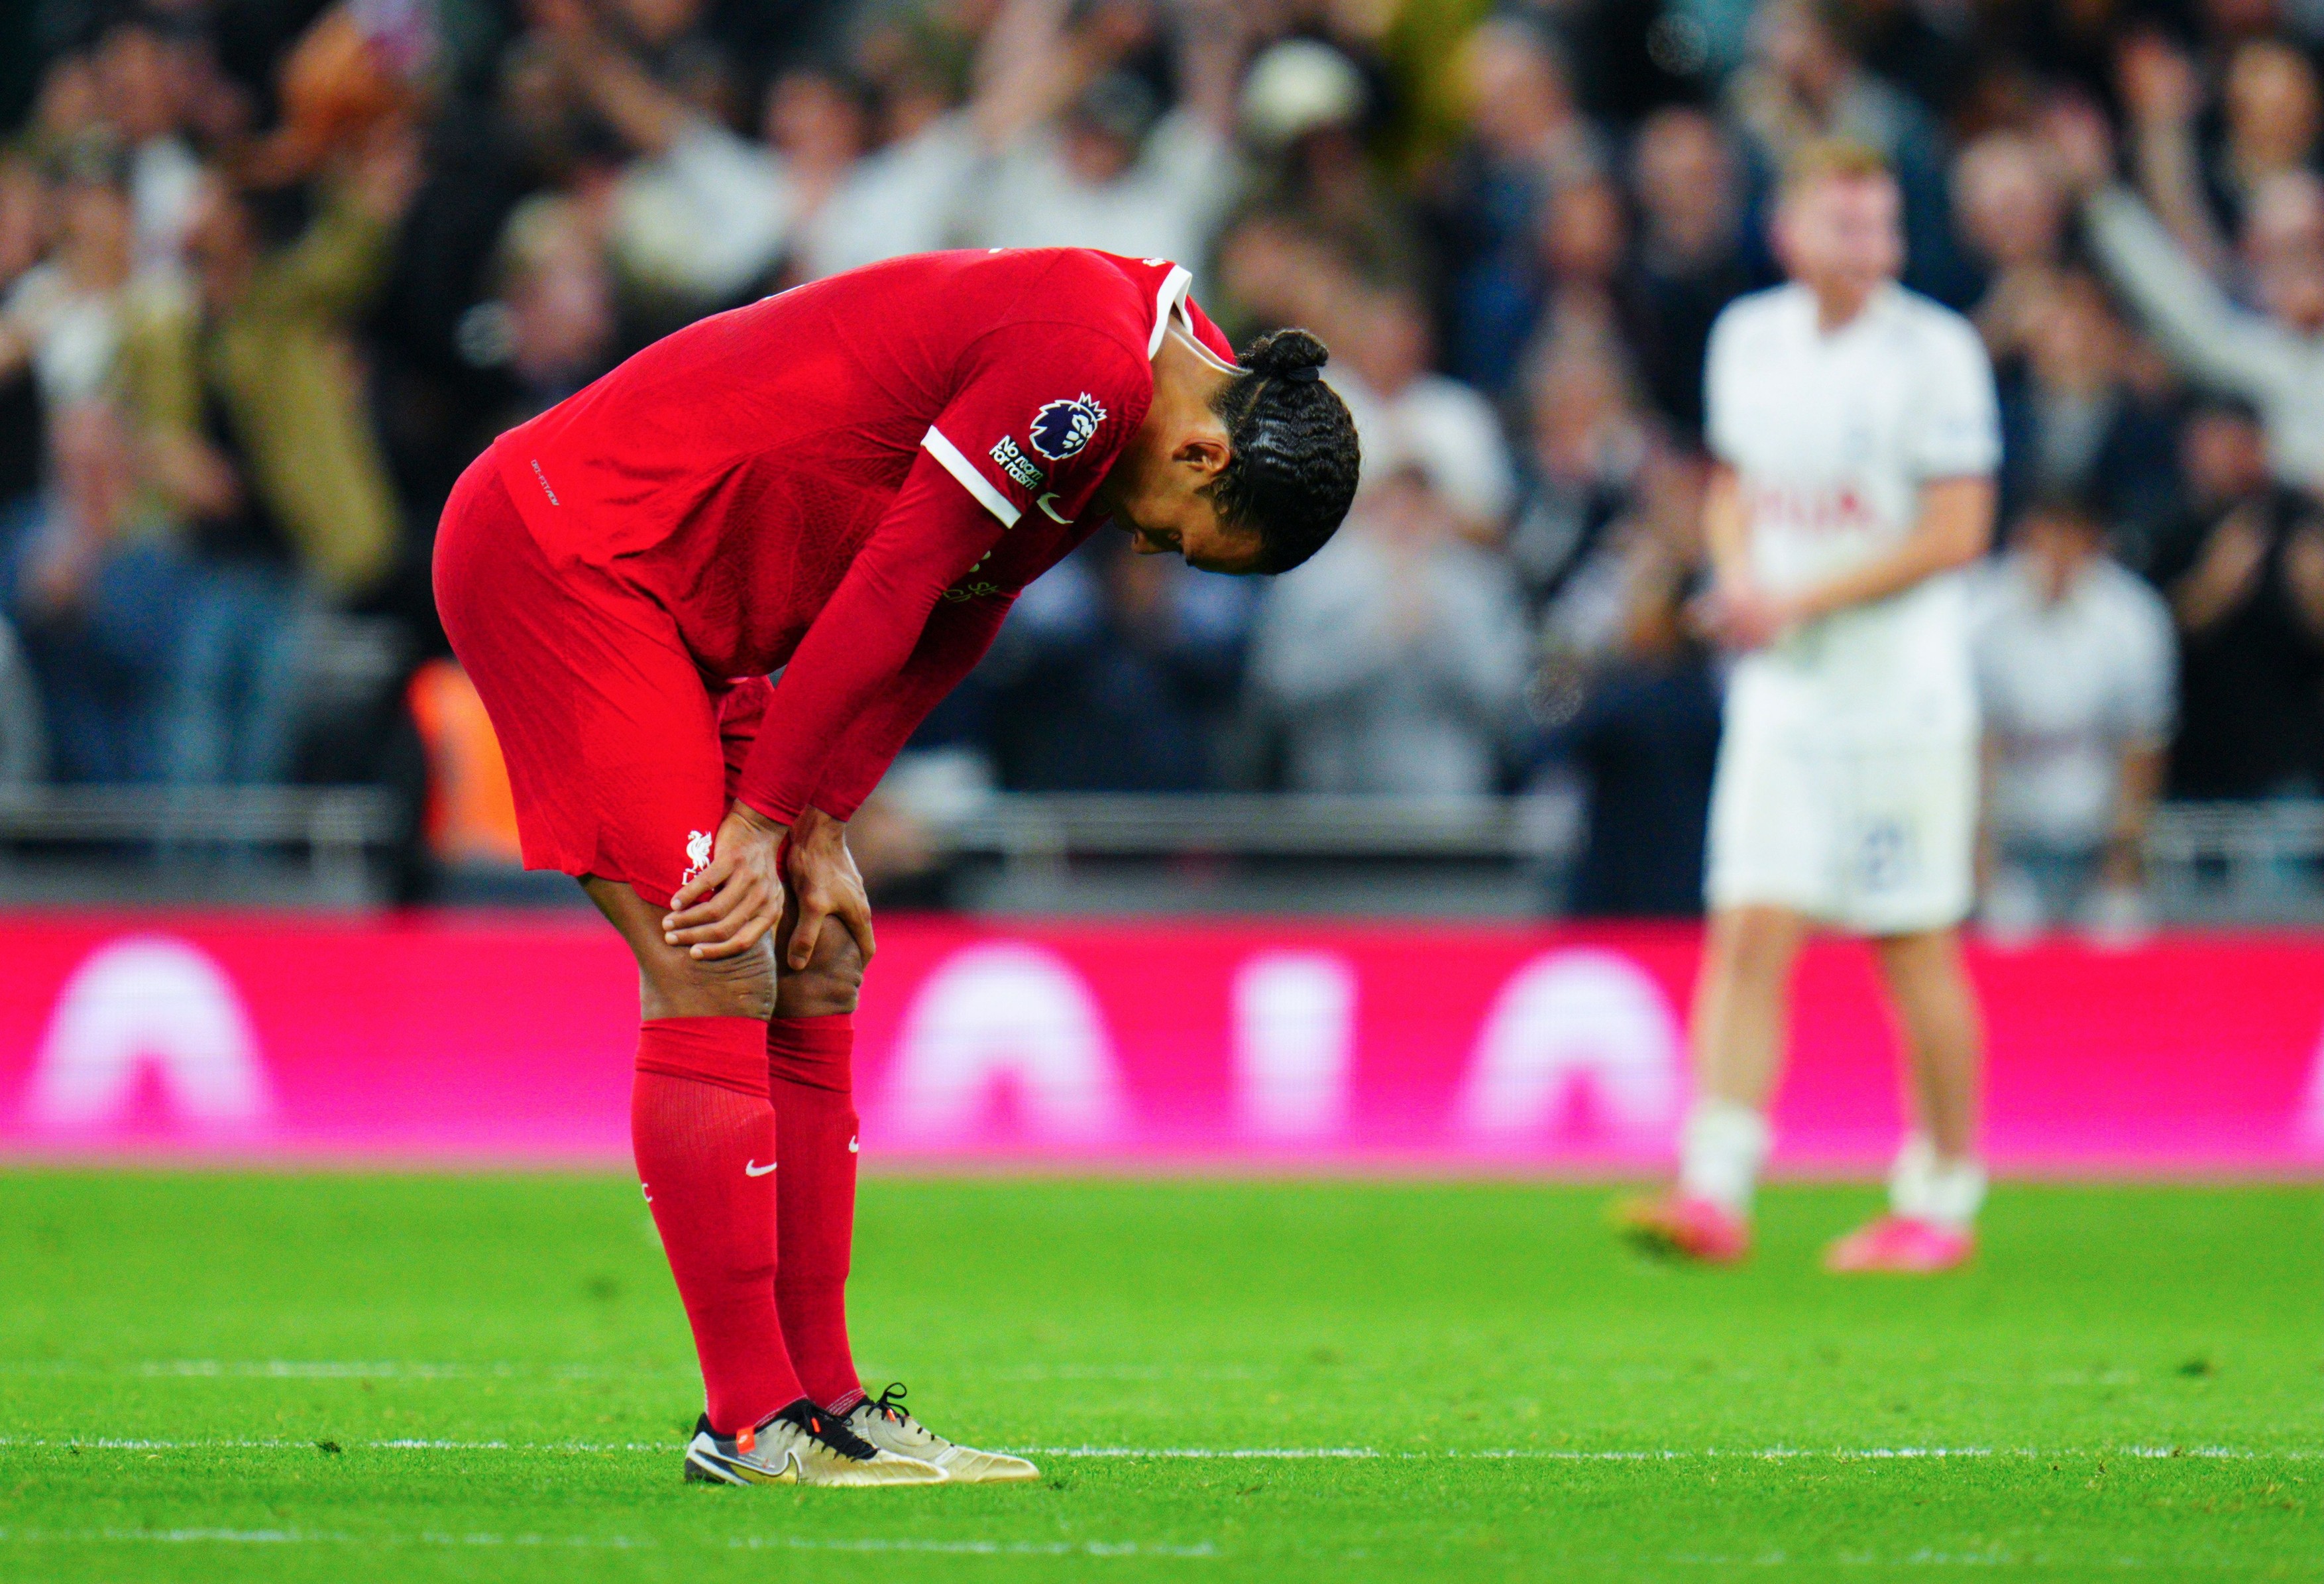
point(1009, 1548)
point(1670, 1454)
point(1546, 1454)
point(282, 1444)
point(1196, 1451)
point(312, 1537)
point(1088, 1548)
point(1138, 1372)
point(326, 1370)
point(114, 1443)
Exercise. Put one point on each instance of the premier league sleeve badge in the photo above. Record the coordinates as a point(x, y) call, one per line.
point(1062, 427)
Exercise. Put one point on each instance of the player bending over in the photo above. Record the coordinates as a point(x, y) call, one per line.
point(1854, 425)
point(850, 483)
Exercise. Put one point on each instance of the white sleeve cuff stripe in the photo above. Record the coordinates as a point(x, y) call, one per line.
point(1174, 287)
point(971, 480)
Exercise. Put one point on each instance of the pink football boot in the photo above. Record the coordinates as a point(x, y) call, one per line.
point(1687, 1226)
point(1900, 1244)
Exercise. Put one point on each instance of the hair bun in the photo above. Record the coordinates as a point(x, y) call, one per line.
point(1288, 355)
point(1295, 455)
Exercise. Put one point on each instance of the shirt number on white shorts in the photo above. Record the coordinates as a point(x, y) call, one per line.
point(1885, 855)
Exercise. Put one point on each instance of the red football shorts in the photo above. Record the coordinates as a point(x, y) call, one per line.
point(622, 755)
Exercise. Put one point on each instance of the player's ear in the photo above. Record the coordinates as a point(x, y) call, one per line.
point(1207, 452)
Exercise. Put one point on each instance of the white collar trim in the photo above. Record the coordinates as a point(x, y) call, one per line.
point(1170, 300)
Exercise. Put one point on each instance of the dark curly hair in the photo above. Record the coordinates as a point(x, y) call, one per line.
point(1295, 463)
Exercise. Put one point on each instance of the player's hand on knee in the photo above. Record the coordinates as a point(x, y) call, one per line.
point(727, 909)
point(826, 885)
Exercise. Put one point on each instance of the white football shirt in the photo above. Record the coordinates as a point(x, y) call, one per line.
point(2066, 687)
point(1833, 437)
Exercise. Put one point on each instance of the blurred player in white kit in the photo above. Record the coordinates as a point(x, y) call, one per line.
point(1855, 430)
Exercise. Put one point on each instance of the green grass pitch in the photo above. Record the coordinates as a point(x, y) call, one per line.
point(209, 1377)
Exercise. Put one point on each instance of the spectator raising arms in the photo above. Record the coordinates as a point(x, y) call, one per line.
point(246, 399)
point(1086, 151)
point(2273, 357)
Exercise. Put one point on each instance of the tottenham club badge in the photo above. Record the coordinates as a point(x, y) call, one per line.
point(1062, 428)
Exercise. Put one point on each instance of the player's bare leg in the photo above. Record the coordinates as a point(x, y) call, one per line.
point(1938, 1184)
point(1741, 1013)
point(1944, 1044)
point(705, 1138)
point(1742, 1003)
point(670, 982)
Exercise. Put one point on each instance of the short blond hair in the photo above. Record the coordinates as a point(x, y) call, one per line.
point(1832, 159)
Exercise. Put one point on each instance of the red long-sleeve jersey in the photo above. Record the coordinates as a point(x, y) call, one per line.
point(852, 481)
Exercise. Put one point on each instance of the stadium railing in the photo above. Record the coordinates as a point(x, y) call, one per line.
point(1289, 825)
point(2287, 831)
point(2265, 858)
point(1037, 828)
point(336, 827)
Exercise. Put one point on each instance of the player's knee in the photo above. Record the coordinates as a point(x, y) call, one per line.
point(1926, 961)
point(742, 986)
point(1758, 941)
point(830, 984)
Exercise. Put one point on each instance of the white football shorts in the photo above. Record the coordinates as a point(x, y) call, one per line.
point(1873, 837)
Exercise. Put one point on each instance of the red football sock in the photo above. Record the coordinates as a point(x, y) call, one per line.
point(807, 1066)
point(704, 1140)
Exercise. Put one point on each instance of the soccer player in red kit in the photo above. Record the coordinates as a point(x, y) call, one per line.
point(848, 483)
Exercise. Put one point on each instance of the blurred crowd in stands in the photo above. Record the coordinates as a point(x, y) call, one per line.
point(272, 272)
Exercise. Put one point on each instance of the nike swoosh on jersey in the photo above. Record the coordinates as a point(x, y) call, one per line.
point(752, 1169)
point(1049, 511)
point(851, 1148)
